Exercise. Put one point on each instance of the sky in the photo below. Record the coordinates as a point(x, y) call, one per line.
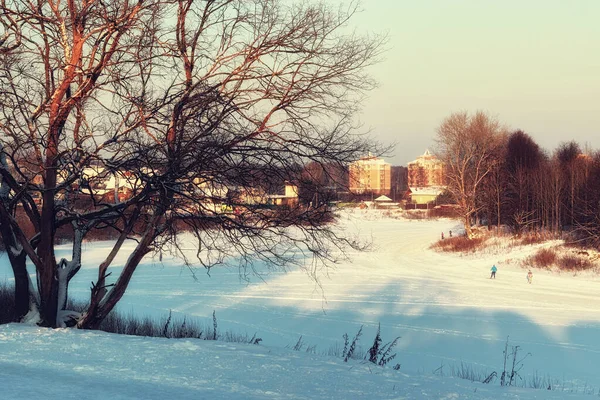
point(533, 64)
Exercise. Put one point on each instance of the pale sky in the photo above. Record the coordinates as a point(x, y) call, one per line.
point(535, 64)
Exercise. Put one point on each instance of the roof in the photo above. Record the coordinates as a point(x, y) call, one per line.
point(427, 191)
point(383, 198)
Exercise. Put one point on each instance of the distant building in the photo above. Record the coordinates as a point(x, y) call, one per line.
point(426, 171)
point(425, 195)
point(370, 175)
point(288, 198)
point(426, 178)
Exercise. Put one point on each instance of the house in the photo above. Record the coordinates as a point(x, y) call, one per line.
point(385, 202)
point(425, 195)
point(288, 198)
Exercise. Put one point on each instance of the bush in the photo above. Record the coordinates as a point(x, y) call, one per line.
point(544, 258)
point(459, 244)
point(572, 262)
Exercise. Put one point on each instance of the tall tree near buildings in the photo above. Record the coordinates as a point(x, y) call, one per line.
point(183, 99)
point(588, 222)
point(399, 181)
point(523, 161)
point(567, 156)
point(494, 197)
point(466, 144)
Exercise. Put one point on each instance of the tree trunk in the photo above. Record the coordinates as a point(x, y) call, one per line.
point(468, 230)
point(48, 288)
point(21, 285)
point(47, 278)
point(18, 264)
point(98, 311)
point(17, 258)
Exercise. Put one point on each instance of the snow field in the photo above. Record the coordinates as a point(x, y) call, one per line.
point(443, 306)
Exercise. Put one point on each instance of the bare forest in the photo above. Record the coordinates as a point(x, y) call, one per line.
point(501, 177)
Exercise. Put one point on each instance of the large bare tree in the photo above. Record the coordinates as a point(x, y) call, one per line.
point(201, 106)
point(469, 147)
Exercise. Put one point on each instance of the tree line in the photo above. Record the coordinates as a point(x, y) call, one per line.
point(502, 177)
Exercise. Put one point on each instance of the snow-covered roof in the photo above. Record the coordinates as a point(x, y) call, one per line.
point(426, 158)
point(383, 198)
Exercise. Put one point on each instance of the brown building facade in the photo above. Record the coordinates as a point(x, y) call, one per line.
point(426, 171)
point(370, 175)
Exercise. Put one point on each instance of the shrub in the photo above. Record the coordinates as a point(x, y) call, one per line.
point(572, 262)
point(544, 258)
point(459, 244)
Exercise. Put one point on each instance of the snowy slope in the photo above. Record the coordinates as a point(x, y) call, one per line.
point(69, 364)
point(443, 306)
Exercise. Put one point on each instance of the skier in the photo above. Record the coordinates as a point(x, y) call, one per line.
point(450, 233)
point(529, 277)
point(494, 269)
point(442, 235)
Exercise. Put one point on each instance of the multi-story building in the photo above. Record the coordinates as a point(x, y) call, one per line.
point(426, 171)
point(370, 175)
point(426, 178)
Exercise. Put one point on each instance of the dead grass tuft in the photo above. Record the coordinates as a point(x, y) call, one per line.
point(459, 244)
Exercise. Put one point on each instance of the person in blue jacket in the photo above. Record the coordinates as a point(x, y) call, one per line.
point(494, 269)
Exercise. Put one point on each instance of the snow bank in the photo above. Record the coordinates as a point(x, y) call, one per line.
point(70, 364)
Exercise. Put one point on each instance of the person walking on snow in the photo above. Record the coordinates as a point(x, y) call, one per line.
point(442, 235)
point(529, 277)
point(494, 269)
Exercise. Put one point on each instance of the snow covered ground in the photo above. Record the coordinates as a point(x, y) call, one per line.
point(443, 306)
point(69, 364)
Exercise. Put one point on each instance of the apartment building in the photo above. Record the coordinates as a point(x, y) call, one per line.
point(370, 174)
point(426, 178)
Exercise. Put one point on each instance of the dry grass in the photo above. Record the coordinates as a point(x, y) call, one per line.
point(536, 237)
point(532, 238)
point(459, 244)
point(167, 326)
point(573, 262)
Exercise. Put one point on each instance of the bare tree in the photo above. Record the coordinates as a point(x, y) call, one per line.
point(467, 145)
point(494, 198)
point(523, 163)
point(201, 106)
point(568, 157)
